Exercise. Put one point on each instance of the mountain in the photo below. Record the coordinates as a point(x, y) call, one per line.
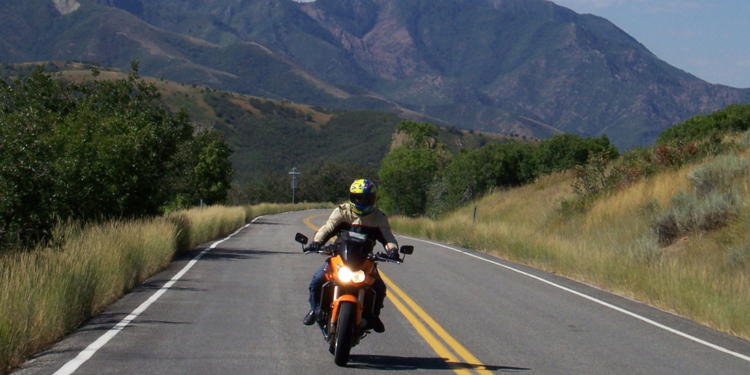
point(524, 66)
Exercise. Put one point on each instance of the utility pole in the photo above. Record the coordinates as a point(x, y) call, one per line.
point(294, 173)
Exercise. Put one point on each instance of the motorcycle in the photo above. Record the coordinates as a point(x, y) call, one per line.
point(347, 300)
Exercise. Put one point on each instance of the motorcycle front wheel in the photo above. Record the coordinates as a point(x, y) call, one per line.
point(345, 333)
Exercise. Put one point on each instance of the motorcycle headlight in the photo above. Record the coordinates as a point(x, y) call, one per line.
point(346, 275)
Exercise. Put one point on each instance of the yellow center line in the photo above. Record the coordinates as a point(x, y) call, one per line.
point(311, 225)
point(458, 348)
point(436, 345)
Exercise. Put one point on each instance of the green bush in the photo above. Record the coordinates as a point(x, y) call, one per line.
point(718, 175)
point(687, 212)
point(562, 152)
point(592, 177)
point(734, 118)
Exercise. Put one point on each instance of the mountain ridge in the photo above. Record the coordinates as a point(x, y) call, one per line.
point(489, 65)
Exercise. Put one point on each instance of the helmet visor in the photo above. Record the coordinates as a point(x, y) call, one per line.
point(362, 199)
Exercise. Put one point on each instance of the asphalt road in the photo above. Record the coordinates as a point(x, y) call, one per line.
point(238, 310)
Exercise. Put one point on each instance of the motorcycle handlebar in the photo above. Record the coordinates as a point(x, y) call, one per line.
point(325, 250)
point(329, 250)
point(385, 258)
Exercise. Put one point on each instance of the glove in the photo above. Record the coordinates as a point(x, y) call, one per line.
point(393, 254)
point(313, 247)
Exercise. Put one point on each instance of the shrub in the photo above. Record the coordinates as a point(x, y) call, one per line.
point(674, 155)
point(744, 141)
point(739, 256)
point(718, 175)
point(645, 249)
point(565, 151)
point(687, 212)
point(591, 178)
point(734, 118)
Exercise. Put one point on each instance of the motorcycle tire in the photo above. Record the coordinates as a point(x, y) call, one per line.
point(344, 333)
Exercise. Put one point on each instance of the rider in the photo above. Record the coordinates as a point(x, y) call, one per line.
point(359, 215)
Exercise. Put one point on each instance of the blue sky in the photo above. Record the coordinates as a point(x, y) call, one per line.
point(707, 38)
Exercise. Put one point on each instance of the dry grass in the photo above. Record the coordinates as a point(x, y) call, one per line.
point(48, 291)
point(703, 276)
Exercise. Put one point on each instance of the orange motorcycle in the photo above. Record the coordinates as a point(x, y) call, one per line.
point(347, 300)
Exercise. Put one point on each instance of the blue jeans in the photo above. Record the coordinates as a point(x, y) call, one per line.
point(316, 286)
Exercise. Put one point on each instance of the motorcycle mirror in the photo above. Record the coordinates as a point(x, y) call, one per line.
point(301, 238)
point(407, 249)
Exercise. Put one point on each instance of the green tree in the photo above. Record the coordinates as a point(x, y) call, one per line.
point(89, 151)
point(472, 173)
point(419, 134)
point(565, 151)
point(213, 172)
point(405, 176)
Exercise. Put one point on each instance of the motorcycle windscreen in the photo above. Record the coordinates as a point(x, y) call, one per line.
point(353, 251)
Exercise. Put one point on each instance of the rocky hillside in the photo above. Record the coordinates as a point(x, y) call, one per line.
point(523, 66)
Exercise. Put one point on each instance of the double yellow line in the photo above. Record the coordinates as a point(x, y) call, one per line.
point(457, 357)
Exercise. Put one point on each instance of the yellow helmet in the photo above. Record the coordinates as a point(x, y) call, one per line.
point(363, 194)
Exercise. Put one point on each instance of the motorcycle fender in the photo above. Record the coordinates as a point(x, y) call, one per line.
point(346, 298)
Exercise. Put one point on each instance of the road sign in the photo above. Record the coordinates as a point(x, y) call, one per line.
point(294, 173)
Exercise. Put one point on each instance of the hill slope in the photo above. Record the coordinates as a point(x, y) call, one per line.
point(676, 238)
point(300, 134)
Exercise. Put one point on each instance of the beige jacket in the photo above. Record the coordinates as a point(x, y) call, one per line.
point(374, 225)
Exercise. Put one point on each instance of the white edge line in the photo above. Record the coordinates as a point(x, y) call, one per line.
point(626, 312)
point(87, 353)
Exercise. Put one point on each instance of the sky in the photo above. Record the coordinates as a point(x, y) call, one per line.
point(709, 39)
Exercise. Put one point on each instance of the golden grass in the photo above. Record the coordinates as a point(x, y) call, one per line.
point(605, 245)
point(48, 291)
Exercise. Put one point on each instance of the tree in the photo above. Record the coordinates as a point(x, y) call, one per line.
point(419, 134)
point(472, 173)
point(565, 151)
point(213, 172)
point(91, 150)
point(405, 176)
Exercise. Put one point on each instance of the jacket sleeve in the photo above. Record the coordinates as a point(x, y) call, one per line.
point(329, 229)
point(385, 230)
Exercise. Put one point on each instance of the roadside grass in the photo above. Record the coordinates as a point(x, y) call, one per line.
point(702, 274)
point(48, 291)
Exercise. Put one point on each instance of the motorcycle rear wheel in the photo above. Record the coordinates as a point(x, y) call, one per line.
point(344, 333)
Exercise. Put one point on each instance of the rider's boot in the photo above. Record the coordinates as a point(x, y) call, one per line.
point(377, 325)
point(310, 318)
